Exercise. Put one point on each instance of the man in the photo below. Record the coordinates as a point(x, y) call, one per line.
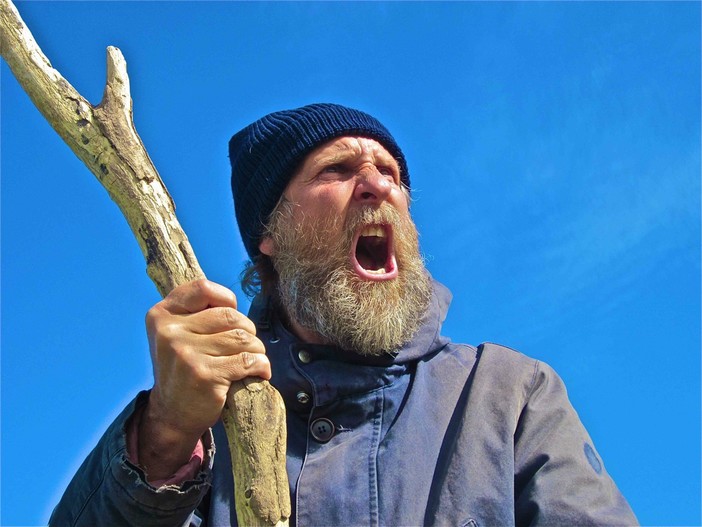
point(389, 423)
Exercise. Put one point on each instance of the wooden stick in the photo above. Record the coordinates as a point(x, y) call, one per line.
point(105, 139)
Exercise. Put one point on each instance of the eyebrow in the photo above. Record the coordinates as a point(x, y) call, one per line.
point(330, 158)
point(346, 154)
point(335, 157)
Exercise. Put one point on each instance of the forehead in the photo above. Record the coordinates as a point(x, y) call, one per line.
point(350, 147)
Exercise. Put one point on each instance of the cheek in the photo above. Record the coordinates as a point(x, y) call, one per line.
point(326, 203)
point(400, 200)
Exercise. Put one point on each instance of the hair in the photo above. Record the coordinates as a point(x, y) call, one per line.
point(259, 274)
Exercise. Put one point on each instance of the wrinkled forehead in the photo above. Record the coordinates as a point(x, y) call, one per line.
point(349, 148)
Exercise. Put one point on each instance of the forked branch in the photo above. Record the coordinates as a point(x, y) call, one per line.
point(105, 139)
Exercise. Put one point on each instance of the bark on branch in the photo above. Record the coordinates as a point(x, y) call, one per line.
point(105, 139)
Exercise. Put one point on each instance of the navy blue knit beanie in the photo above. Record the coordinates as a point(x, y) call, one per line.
point(266, 154)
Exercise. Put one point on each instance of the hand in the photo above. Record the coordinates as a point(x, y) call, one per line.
point(199, 345)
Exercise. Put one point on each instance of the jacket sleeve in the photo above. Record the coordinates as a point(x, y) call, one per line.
point(109, 490)
point(559, 476)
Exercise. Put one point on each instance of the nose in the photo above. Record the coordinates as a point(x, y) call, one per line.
point(372, 186)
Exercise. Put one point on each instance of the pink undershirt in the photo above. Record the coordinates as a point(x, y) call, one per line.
point(185, 473)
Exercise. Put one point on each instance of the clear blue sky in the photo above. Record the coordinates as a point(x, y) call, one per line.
point(554, 150)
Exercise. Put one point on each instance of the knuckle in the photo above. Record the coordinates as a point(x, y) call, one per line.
point(228, 316)
point(245, 364)
point(200, 288)
point(165, 331)
point(153, 315)
point(164, 338)
point(179, 350)
point(199, 373)
point(201, 284)
point(240, 336)
point(149, 319)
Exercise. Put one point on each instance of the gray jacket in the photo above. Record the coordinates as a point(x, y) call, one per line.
point(439, 434)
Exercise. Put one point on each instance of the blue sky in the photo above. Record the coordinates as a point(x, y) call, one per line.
point(554, 150)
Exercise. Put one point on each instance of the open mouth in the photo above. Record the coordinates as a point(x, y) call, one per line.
point(373, 254)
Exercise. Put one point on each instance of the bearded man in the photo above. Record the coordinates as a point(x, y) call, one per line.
point(389, 423)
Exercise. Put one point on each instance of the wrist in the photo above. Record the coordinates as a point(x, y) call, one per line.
point(163, 447)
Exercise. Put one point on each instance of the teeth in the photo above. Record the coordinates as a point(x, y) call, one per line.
point(377, 271)
point(373, 230)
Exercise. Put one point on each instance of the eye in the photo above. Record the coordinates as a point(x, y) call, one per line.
point(389, 171)
point(332, 169)
point(335, 171)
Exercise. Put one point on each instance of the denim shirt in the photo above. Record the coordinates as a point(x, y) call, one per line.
point(436, 434)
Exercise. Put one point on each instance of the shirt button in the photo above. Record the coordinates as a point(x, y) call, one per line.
point(322, 429)
point(303, 398)
point(304, 356)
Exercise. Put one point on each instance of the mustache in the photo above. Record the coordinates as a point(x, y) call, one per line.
point(358, 219)
point(367, 215)
point(314, 234)
point(319, 289)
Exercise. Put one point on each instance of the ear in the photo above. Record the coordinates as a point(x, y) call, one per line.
point(267, 246)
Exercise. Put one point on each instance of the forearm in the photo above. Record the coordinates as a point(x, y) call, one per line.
point(109, 489)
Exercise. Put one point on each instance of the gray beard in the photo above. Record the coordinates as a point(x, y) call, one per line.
point(319, 290)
